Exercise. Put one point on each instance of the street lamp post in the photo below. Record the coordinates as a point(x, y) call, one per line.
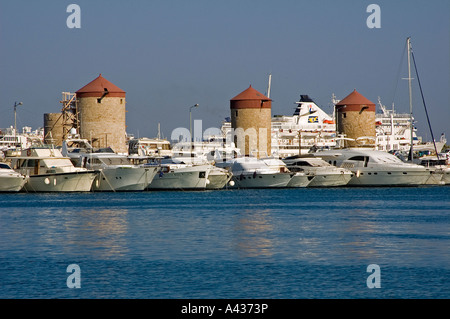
point(15, 120)
point(190, 125)
point(190, 120)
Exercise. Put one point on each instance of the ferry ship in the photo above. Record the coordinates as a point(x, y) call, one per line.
point(394, 133)
point(309, 127)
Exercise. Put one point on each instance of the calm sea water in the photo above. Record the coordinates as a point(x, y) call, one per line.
point(287, 243)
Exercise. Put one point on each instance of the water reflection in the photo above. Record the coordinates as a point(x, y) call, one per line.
point(253, 234)
point(357, 235)
point(88, 232)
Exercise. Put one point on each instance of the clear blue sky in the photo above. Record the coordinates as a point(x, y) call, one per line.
point(168, 55)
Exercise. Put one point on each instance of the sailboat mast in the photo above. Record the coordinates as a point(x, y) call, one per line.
point(408, 41)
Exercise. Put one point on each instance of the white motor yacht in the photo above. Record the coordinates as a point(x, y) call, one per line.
point(174, 175)
point(325, 174)
point(376, 168)
point(251, 172)
point(50, 171)
point(298, 179)
point(10, 180)
point(116, 172)
point(441, 175)
point(218, 178)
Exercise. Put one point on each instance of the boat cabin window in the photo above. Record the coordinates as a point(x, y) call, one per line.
point(28, 163)
point(2, 165)
point(94, 161)
point(303, 163)
point(357, 158)
point(364, 159)
point(433, 162)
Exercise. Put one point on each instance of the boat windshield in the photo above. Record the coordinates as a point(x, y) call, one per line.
point(433, 162)
point(3, 165)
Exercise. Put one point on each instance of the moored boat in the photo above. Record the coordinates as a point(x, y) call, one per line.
point(218, 178)
point(376, 168)
point(10, 180)
point(180, 176)
point(50, 171)
point(440, 163)
point(117, 173)
point(251, 172)
point(325, 174)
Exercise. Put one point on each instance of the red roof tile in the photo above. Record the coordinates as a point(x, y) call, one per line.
point(355, 98)
point(99, 86)
point(250, 94)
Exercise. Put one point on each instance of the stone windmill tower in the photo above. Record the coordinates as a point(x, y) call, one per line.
point(251, 116)
point(101, 107)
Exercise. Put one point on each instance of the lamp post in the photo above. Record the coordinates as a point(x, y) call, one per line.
point(190, 120)
point(190, 125)
point(15, 119)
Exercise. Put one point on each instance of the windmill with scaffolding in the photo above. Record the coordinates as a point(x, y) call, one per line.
point(60, 126)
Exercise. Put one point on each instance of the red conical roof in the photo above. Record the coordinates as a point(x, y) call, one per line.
point(355, 98)
point(250, 94)
point(98, 87)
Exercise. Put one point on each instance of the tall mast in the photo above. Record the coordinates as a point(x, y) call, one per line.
point(408, 41)
point(268, 88)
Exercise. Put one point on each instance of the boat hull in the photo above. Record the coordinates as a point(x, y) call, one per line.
point(436, 178)
point(61, 182)
point(446, 176)
point(181, 179)
point(300, 180)
point(389, 178)
point(124, 179)
point(331, 179)
point(12, 183)
point(270, 180)
point(218, 178)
